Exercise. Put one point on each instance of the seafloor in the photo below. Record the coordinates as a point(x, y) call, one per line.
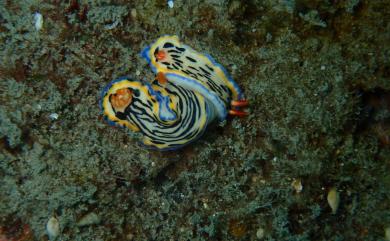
point(316, 73)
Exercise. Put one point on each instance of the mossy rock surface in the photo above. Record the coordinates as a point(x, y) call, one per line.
point(316, 75)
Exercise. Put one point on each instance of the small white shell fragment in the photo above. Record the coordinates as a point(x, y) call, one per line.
point(133, 13)
point(130, 236)
point(53, 116)
point(333, 199)
point(38, 19)
point(387, 233)
point(89, 219)
point(53, 228)
point(170, 3)
point(297, 185)
point(111, 26)
point(260, 233)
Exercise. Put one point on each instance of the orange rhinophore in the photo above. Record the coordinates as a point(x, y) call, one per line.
point(239, 103)
point(161, 78)
point(236, 105)
point(160, 55)
point(122, 98)
point(238, 113)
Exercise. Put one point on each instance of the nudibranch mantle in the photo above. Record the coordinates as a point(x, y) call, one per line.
point(200, 72)
point(189, 92)
point(168, 116)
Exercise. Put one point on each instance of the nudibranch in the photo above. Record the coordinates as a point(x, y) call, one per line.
point(189, 92)
point(169, 116)
point(184, 66)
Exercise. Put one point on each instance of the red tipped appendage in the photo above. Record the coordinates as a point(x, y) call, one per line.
point(236, 105)
point(239, 103)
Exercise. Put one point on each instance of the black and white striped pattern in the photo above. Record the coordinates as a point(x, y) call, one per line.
point(192, 111)
point(187, 62)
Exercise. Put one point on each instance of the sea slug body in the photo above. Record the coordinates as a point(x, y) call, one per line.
point(189, 92)
point(200, 72)
point(168, 117)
